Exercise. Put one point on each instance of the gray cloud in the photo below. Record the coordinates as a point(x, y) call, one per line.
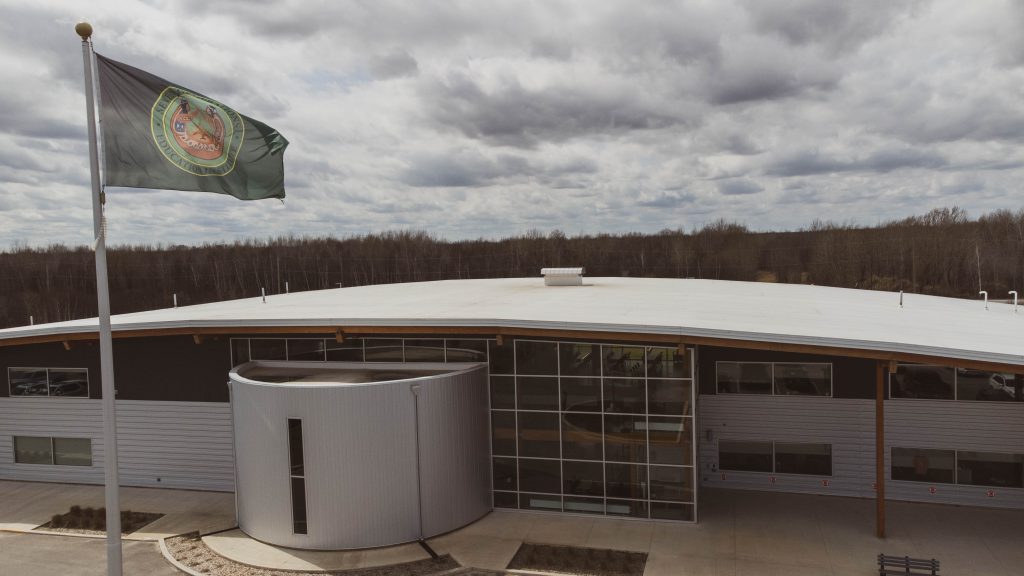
point(394, 64)
point(739, 187)
point(806, 163)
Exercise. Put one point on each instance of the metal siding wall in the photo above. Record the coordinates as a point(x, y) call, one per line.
point(455, 451)
point(184, 444)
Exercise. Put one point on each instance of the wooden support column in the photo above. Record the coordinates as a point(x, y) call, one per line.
point(881, 375)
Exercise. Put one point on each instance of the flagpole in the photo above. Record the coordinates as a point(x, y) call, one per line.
point(111, 483)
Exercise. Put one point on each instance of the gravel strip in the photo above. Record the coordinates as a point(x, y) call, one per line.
point(579, 561)
point(191, 551)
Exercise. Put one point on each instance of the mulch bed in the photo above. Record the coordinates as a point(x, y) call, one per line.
point(94, 520)
point(579, 561)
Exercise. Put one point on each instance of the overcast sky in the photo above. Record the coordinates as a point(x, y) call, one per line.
point(477, 118)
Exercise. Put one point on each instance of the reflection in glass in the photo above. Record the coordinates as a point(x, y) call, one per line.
point(624, 361)
point(670, 397)
point(990, 469)
point(536, 358)
point(580, 394)
point(540, 476)
point(306, 349)
point(671, 511)
point(625, 481)
point(540, 502)
point(625, 396)
point(923, 465)
point(668, 363)
point(579, 505)
point(466, 350)
point(989, 386)
point(383, 350)
point(744, 377)
point(746, 456)
point(503, 433)
point(671, 440)
point(913, 381)
point(31, 382)
point(69, 382)
point(581, 436)
point(503, 392)
point(535, 393)
point(299, 505)
point(538, 434)
point(502, 358)
point(579, 359)
point(349, 350)
point(583, 478)
point(632, 508)
point(33, 450)
point(793, 378)
point(505, 474)
point(625, 438)
point(295, 456)
point(239, 351)
point(793, 458)
point(671, 483)
point(268, 349)
point(506, 500)
point(72, 451)
point(424, 350)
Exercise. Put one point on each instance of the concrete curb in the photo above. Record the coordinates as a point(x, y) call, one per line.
point(175, 563)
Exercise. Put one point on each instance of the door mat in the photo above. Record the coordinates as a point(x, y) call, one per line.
point(578, 561)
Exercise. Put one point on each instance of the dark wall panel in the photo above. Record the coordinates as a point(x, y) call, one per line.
point(851, 377)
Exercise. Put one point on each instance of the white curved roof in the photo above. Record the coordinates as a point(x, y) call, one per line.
point(749, 311)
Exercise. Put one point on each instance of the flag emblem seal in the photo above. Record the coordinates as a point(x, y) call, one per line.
point(197, 134)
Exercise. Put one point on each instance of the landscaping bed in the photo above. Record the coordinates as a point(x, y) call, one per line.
point(94, 521)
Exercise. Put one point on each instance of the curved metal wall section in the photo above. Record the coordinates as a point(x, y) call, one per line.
point(359, 443)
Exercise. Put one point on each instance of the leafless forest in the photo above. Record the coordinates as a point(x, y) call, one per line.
point(943, 252)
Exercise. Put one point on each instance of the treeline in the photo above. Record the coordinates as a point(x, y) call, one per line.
point(943, 252)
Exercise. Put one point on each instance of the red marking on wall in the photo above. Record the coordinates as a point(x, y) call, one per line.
point(825, 483)
point(723, 477)
point(991, 493)
point(932, 490)
point(771, 480)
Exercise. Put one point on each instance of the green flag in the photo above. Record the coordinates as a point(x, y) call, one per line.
point(161, 135)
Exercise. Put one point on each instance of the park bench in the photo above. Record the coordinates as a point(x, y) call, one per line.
point(903, 565)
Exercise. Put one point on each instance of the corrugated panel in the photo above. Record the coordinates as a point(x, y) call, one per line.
point(166, 444)
point(849, 425)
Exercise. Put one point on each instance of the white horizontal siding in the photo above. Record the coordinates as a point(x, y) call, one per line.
point(168, 444)
point(849, 425)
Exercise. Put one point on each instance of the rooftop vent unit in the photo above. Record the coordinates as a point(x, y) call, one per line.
point(562, 276)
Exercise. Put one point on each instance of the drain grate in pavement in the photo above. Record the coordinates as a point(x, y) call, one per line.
point(579, 561)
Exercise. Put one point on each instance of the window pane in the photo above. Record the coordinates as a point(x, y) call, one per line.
point(581, 394)
point(744, 378)
point(626, 481)
point(670, 397)
point(466, 350)
point(625, 438)
point(32, 450)
point(803, 379)
point(503, 392)
point(306, 349)
point(348, 350)
point(268, 349)
point(537, 393)
point(671, 511)
point(295, 457)
point(538, 434)
point(503, 433)
point(72, 451)
point(625, 396)
point(239, 351)
point(922, 465)
point(670, 483)
point(424, 350)
point(912, 381)
point(624, 361)
point(579, 359)
point(505, 474)
point(540, 476)
point(299, 505)
point(579, 505)
point(990, 469)
point(502, 358)
point(583, 478)
point(30, 382)
point(581, 437)
point(671, 440)
point(668, 363)
point(383, 350)
point(815, 459)
point(537, 358)
point(989, 386)
point(632, 508)
point(745, 456)
point(69, 382)
point(506, 500)
point(540, 502)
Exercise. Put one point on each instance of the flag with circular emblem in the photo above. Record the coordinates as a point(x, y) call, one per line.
point(161, 135)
